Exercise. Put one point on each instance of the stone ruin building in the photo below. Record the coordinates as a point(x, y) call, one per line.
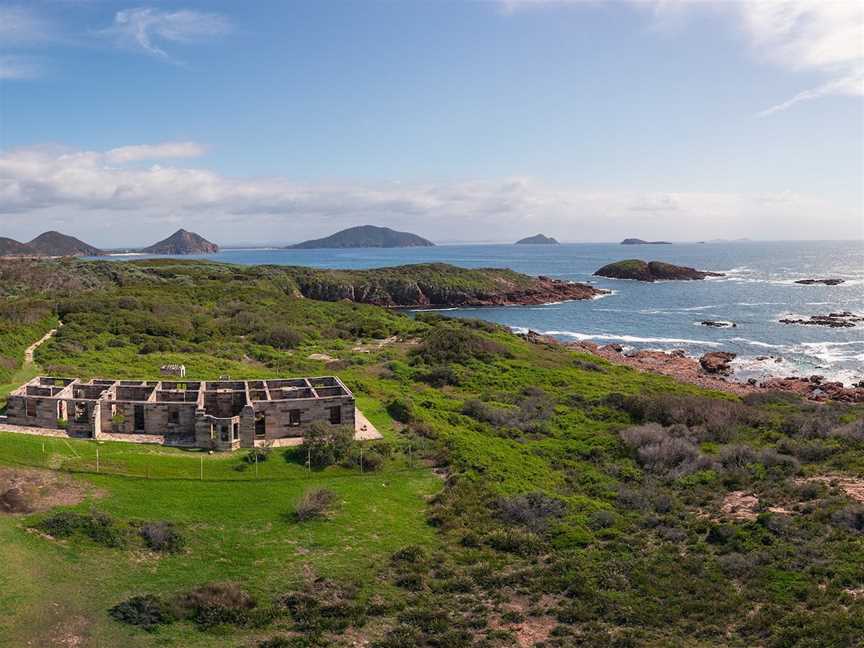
point(217, 415)
point(178, 370)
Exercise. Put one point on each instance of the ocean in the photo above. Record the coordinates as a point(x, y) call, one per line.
point(757, 291)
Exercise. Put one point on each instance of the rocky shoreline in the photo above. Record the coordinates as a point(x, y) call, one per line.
point(711, 371)
point(440, 287)
point(545, 291)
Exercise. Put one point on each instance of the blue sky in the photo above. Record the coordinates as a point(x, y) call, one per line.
point(278, 121)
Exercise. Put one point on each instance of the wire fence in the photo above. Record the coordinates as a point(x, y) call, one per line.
point(156, 462)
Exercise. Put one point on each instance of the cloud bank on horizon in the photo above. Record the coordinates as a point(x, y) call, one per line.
point(111, 199)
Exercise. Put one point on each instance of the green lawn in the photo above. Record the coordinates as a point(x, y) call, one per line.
point(237, 528)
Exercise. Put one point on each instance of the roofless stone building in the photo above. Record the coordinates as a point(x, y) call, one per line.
point(218, 415)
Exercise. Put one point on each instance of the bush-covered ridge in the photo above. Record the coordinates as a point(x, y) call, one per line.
point(584, 502)
point(431, 284)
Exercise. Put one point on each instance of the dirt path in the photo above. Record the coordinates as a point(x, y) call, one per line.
point(28, 354)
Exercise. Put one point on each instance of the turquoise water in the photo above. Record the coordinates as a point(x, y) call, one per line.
point(757, 291)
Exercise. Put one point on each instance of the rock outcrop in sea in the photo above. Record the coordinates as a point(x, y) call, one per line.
point(639, 270)
point(825, 282)
point(843, 319)
point(717, 362)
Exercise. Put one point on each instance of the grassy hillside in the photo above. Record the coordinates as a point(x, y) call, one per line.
point(572, 503)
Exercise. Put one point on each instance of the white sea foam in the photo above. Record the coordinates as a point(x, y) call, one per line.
point(756, 343)
point(629, 338)
point(431, 310)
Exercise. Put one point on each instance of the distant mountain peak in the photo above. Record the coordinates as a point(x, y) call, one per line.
point(12, 248)
point(183, 242)
point(55, 243)
point(366, 236)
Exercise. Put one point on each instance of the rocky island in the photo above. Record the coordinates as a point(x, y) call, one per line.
point(637, 241)
point(537, 239)
point(651, 271)
point(365, 236)
point(183, 242)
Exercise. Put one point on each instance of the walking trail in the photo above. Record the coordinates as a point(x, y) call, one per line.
point(28, 354)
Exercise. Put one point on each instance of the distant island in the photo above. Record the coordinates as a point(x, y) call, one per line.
point(182, 242)
point(537, 239)
point(365, 236)
point(636, 241)
point(639, 270)
point(48, 244)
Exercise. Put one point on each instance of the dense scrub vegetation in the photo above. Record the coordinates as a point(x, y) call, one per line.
point(22, 322)
point(582, 504)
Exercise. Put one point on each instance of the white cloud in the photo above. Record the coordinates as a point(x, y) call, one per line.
point(22, 26)
point(147, 28)
point(101, 195)
point(810, 35)
point(161, 151)
point(825, 37)
point(19, 67)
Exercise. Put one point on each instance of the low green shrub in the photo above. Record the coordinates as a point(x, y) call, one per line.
point(145, 611)
point(99, 527)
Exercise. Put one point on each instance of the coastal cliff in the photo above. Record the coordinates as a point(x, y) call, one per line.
point(436, 285)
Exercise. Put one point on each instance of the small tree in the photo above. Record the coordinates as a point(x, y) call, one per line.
point(325, 445)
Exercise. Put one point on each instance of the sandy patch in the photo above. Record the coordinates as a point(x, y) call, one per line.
point(853, 487)
point(38, 490)
point(739, 505)
point(375, 345)
point(534, 630)
point(323, 357)
point(71, 632)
